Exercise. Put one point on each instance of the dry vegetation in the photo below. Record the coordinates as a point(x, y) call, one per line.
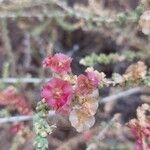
point(111, 36)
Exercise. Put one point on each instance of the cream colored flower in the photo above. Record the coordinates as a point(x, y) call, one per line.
point(80, 120)
point(71, 78)
point(135, 71)
point(101, 76)
point(82, 115)
point(141, 115)
point(145, 22)
point(118, 79)
point(90, 105)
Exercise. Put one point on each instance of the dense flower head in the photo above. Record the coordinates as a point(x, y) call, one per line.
point(99, 77)
point(80, 120)
point(140, 127)
point(58, 94)
point(140, 133)
point(59, 63)
point(10, 96)
point(74, 95)
point(82, 115)
point(87, 83)
point(135, 71)
point(93, 77)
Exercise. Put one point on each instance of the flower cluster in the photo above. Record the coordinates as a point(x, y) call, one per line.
point(76, 96)
point(140, 127)
point(11, 97)
point(59, 63)
point(134, 72)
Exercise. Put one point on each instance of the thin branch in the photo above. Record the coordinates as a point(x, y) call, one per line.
point(22, 80)
point(122, 94)
point(21, 118)
point(52, 113)
point(15, 119)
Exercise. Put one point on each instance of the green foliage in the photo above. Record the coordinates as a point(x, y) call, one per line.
point(41, 143)
point(121, 19)
point(40, 28)
point(64, 24)
point(135, 15)
point(147, 79)
point(102, 58)
point(130, 55)
point(41, 126)
point(5, 71)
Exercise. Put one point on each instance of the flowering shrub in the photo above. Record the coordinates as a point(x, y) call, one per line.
point(100, 26)
point(78, 98)
point(75, 96)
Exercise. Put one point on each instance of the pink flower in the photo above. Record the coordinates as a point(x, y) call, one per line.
point(16, 128)
point(87, 83)
point(59, 63)
point(12, 97)
point(140, 133)
point(87, 136)
point(93, 77)
point(58, 94)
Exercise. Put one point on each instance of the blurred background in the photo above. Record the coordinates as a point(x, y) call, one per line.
point(31, 30)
